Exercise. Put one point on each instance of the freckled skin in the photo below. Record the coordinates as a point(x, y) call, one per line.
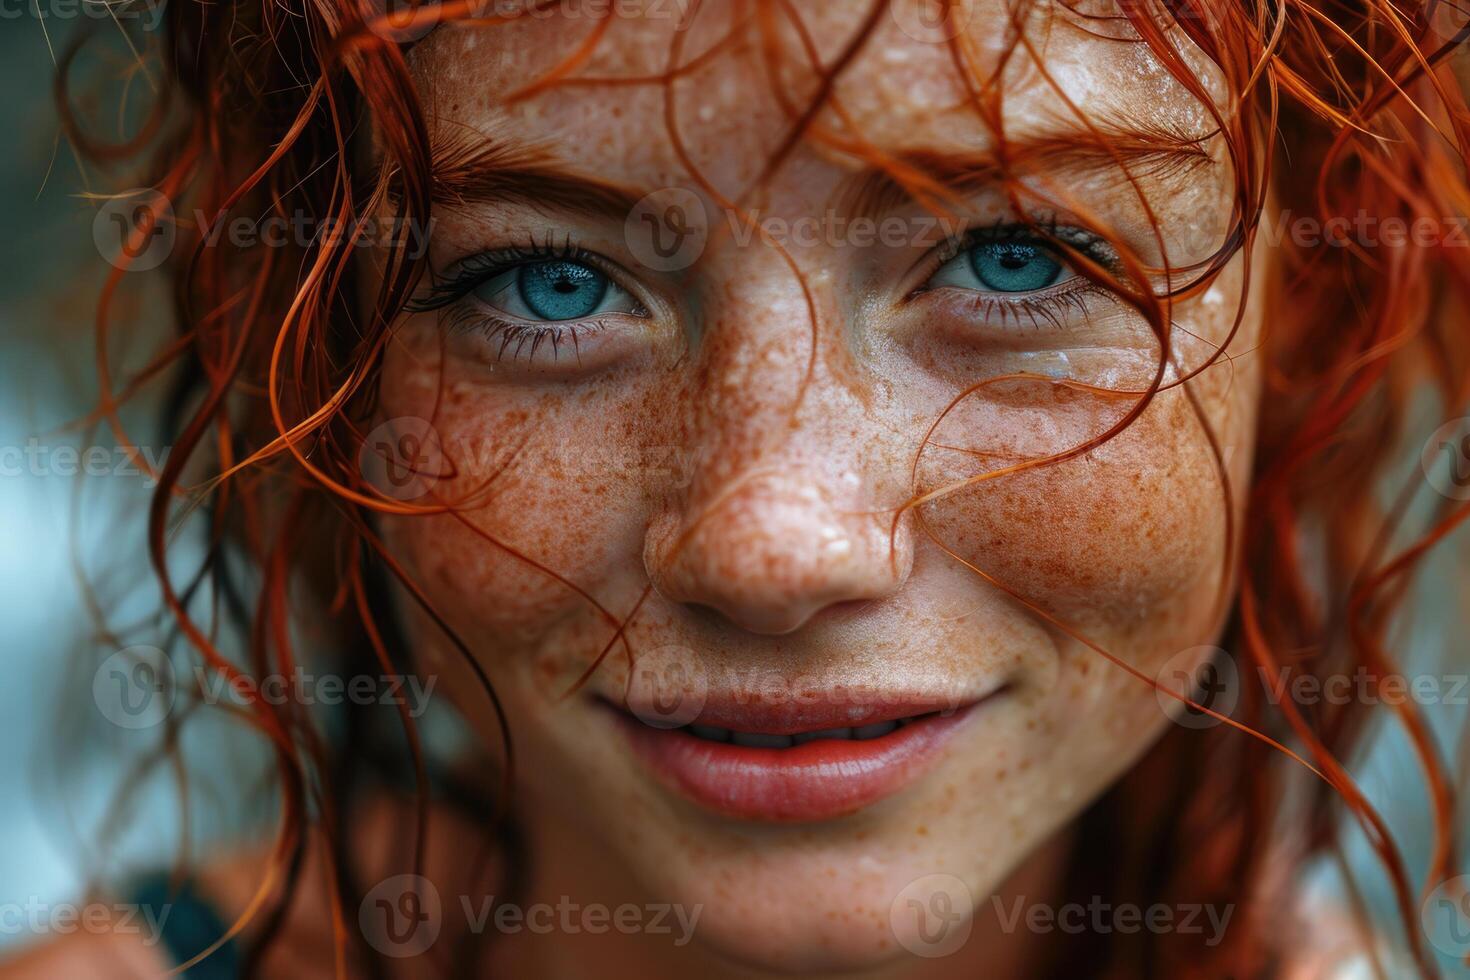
point(681, 458)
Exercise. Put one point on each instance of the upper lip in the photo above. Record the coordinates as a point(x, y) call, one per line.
point(817, 711)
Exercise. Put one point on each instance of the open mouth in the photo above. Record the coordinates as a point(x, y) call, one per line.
point(795, 764)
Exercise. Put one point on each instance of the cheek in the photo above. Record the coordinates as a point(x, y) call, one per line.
point(1130, 532)
point(553, 491)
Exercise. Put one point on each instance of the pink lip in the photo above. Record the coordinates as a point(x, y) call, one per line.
point(818, 780)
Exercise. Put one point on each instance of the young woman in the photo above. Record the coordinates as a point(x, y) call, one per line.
point(871, 476)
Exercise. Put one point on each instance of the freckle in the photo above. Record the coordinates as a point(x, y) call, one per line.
point(922, 831)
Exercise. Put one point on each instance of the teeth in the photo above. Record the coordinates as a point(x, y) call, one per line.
point(760, 740)
point(828, 733)
point(756, 740)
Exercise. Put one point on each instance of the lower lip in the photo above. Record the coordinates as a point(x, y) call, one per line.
point(820, 780)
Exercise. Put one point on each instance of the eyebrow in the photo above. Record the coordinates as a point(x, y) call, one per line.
point(936, 177)
point(469, 167)
point(475, 168)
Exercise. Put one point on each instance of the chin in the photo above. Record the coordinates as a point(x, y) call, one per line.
point(800, 928)
point(837, 897)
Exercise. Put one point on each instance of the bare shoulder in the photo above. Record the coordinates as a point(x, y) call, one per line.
point(130, 944)
point(109, 955)
point(232, 884)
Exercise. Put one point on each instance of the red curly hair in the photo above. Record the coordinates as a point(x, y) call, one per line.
point(1338, 108)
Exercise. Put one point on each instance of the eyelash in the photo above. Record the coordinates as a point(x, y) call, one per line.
point(1043, 309)
point(458, 316)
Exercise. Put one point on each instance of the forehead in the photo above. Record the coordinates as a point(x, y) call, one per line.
point(641, 91)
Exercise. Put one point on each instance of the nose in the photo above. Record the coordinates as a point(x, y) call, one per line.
point(777, 547)
point(798, 458)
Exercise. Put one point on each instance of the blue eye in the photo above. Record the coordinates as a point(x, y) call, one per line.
point(560, 290)
point(546, 290)
point(1014, 267)
point(534, 298)
point(1003, 265)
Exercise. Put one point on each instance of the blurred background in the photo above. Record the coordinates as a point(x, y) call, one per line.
point(43, 258)
point(64, 514)
point(62, 510)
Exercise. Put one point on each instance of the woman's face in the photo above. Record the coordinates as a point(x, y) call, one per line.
point(703, 422)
